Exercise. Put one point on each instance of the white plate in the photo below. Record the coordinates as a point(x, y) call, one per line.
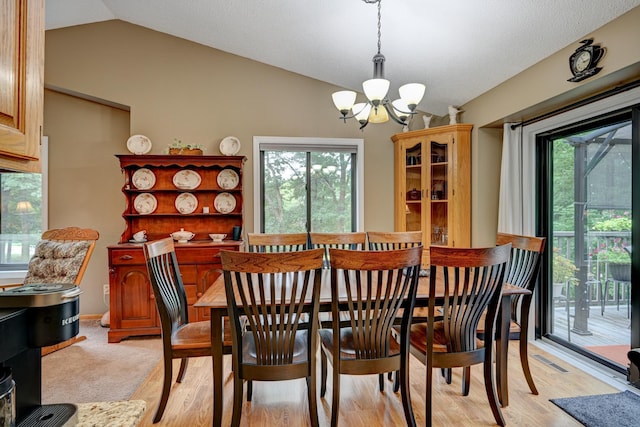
point(145, 203)
point(186, 203)
point(228, 179)
point(230, 146)
point(143, 179)
point(139, 144)
point(224, 203)
point(187, 179)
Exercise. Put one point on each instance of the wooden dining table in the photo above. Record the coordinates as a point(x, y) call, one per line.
point(215, 300)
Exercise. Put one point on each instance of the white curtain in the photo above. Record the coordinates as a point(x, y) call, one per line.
point(516, 213)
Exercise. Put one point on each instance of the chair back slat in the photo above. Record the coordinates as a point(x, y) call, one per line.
point(391, 240)
point(272, 290)
point(374, 285)
point(524, 265)
point(263, 242)
point(167, 285)
point(353, 241)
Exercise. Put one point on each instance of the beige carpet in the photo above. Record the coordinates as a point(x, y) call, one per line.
point(96, 371)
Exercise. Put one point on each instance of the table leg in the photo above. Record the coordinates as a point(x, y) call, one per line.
point(502, 349)
point(216, 356)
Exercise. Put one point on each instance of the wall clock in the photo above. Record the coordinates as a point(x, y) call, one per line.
point(583, 62)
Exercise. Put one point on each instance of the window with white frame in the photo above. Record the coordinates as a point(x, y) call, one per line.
point(308, 184)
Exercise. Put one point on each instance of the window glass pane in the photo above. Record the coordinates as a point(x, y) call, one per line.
point(284, 179)
point(331, 187)
point(20, 218)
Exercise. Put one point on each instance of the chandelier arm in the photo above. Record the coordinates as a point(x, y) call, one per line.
point(393, 115)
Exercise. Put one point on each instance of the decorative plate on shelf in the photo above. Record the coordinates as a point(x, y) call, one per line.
point(228, 179)
point(230, 146)
point(186, 203)
point(224, 203)
point(187, 179)
point(139, 144)
point(143, 179)
point(145, 203)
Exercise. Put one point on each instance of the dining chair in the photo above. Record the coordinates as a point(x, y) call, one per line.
point(472, 280)
point(180, 339)
point(276, 242)
point(273, 291)
point(388, 240)
point(326, 241)
point(371, 287)
point(523, 271)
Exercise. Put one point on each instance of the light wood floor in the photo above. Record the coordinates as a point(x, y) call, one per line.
point(361, 404)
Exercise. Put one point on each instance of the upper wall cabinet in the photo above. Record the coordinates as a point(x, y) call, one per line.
point(21, 83)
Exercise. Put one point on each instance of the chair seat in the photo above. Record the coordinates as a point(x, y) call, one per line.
point(347, 348)
point(193, 335)
point(249, 356)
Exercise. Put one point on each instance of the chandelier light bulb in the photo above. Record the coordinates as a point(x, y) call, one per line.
point(343, 100)
point(401, 109)
point(375, 90)
point(412, 94)
point(361, 111)
point(378, 115)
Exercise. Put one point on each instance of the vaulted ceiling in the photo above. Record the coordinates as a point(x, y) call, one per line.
point(459, 49)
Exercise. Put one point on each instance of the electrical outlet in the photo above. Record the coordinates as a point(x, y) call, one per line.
point(105, 289)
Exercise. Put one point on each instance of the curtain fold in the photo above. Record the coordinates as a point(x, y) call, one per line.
point(516, 211)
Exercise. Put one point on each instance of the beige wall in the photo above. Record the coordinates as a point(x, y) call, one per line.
point(84, 179)
point(540, 89)
point(181, 89)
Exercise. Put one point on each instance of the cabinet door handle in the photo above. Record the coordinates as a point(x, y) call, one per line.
point(126, 257)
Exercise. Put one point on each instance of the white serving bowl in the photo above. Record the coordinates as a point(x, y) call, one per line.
point(182, 236)
point(217, 237)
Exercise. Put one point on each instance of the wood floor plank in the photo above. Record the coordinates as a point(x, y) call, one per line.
point(362, 405)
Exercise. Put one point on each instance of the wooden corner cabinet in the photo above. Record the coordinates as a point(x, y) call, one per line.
point(166, 193)
point(432, 171)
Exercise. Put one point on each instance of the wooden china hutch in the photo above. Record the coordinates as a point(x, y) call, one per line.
point(164, 194)
point(432, 170)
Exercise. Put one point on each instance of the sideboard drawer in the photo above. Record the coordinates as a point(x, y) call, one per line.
point(128, 256)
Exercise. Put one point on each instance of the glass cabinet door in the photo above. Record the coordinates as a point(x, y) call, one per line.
point(439, 154)
point(414, 188)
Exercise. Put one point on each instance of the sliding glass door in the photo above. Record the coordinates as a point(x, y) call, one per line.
point(589, 224)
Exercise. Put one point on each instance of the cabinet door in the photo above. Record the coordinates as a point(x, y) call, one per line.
point(22, 85)
point(207, 275)
point(439, 148)
point(135, 306)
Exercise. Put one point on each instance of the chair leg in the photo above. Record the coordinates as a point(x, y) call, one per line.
point(466, 380)
point(381, 382)
point(313, 404)
point(238, 388)
point(524, 361)
point(402, 378)
point(323, 373)
point(335, 402)
point(183, 369)
point(446, 373)
point(428, 399)
point(166, 388)
point(396, 382)
point(249, 390)
point(490, 387)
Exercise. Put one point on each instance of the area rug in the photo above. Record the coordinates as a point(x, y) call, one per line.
point(616, 409)
point(95, 371)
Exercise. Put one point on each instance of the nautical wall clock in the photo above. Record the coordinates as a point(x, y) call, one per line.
point(583, 62)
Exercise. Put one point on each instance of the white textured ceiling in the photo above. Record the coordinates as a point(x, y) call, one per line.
point(458, 48)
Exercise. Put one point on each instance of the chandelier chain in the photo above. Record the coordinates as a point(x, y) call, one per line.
point(379, 25)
